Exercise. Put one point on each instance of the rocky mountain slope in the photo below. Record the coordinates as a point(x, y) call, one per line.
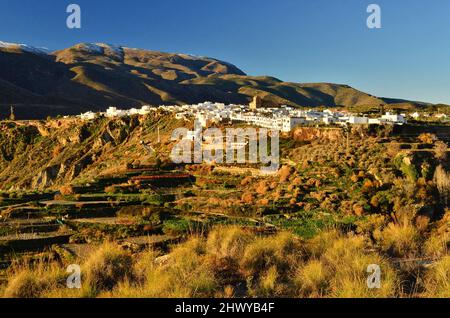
point(91, 76)
point(46, 154)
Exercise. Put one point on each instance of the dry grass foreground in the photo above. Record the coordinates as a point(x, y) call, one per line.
point(231, 262)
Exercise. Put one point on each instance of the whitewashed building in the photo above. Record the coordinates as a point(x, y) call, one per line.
point(290, 123)
point(88, 116)
point(396, 119)
point(354, 120)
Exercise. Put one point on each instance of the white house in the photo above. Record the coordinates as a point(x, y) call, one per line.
point(290, 123)
point(397, 119)
point(415, 115)
point(146, 110)
point(358, 120)
point(88, 116)
point(206, 118)
point(114, 112)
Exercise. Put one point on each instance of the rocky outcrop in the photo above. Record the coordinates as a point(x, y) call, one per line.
point(46, 177)
point(73, 149)
point(313, 133)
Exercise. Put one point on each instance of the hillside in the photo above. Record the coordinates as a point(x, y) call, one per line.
point(94, 76)
point(67, 186)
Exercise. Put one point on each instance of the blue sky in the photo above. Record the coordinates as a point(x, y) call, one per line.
point(294, 40)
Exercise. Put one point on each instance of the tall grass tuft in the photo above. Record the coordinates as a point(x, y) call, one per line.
point(106, 267)
point(437, 279)
point(34, 280)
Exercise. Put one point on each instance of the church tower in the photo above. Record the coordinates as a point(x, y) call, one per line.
point(12, 116)
point(256, 103)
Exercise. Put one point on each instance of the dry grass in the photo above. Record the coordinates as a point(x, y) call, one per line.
point(144, 264)
point(348, 261)
point(436, 245)
point(282, 250)
point(233, 262)
point(442, 181)
point(437, 279)
point(319, 244)
point(228, 242)
point(399, 240)
point(106, 267)
point(312, 279)
point(34, 281)
point(338, 268)
point(269, 263)
point(186, 274)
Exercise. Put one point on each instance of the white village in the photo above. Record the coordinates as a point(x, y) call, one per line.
point(283, 118)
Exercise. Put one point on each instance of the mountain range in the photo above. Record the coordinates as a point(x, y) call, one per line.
point(93, 76)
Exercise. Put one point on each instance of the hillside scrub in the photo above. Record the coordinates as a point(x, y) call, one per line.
point(230, 262)
point(311, 230)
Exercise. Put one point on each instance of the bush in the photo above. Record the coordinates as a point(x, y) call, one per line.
point(33, 281)
point(247, 198)
point(25, 285)
point(440, 150)
point(427, 138)
point(312, 279)
point(106, 267)
point(113, 189)
point(437, 245)
point(346, 261)
point(282, 250)
point(159, 199)
point(284, 173)
point(437, 279)
point(185, 275)
point(178, 227)
point(67, 190)
point(399, 240)
point(228, 242)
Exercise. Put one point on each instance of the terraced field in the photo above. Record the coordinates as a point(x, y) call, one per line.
point(72, 225)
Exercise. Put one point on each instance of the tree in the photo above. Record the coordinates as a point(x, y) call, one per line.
point(248, 198)
point(442, 181)
point(440, 150)
point(393, 148)
point(427, 138)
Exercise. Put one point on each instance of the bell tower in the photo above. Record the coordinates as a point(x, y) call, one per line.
point(12, 116)
point(256, 103)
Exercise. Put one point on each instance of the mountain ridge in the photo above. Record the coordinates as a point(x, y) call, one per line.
point(92, 76)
